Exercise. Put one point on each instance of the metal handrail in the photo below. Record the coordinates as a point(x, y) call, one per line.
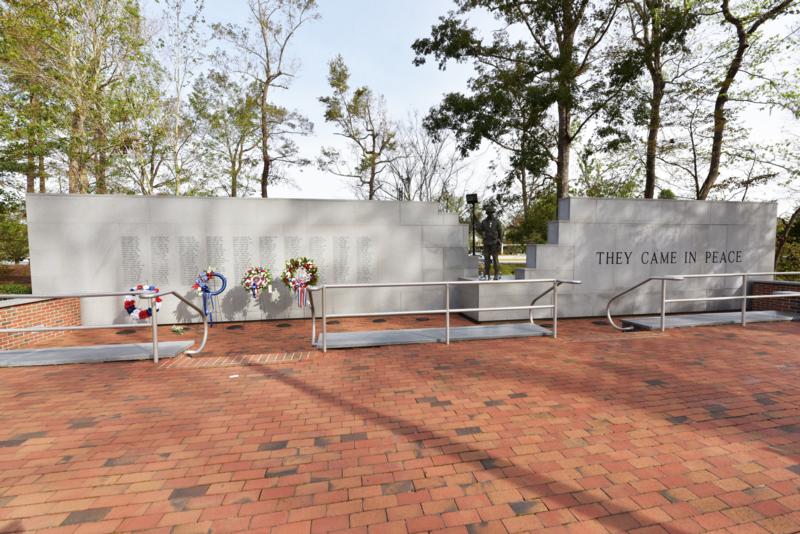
point(744, 297)
point(140, 293)
point(664, 280)
point(730, 275)
point(530, 315)
point(447, 310)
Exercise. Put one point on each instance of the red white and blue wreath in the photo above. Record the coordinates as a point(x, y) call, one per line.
point(202, 285)
point(256, 280)
point(298, 274)
point(136, 313)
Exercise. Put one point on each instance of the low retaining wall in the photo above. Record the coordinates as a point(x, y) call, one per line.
point(785, 304)
point(28, 312)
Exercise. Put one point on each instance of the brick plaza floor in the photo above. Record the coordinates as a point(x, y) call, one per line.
point(694, 430)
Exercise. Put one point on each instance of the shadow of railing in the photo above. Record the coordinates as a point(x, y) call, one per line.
point(519, 476)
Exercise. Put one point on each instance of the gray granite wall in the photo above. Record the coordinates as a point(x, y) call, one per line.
point(109, 243)
point(612, 244)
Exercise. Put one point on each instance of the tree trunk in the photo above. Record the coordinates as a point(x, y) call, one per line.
point(652, 134)
point(265, 176)
point(30, 166)
point(719, 114)
point(42, 175)
point(75, 152)
point(564, 144)
point(236, 164)
point(372, 173)
point(523, 177)
point(83, 178)
point(176, 129)
point(101, 163)
point(264, 143)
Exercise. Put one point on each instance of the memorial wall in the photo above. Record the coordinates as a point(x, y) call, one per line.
point(612, 244)
point(96, 243)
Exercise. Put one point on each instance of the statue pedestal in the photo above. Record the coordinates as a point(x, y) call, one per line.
point(495, 295)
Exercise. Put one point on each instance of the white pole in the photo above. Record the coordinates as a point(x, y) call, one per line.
point(663, 304)
point(154, 322)
point(447, 313)
point(555, 309)
point(744, 299)
point(324, 323)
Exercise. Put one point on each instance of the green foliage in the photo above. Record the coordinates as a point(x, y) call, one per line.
point(542, 55)
point(262, 51)
point(13, 232)
point(603, 177)
point(361, 118)
point(667, 194)
point(68, 64)
point(790, 259)
point(508, 100)
point(454, 203)
point(84, 96)
point(787, 247)
point(533, 227)
point(15, 289)
point(13, 239)
point(227, 115)
point(510, 268)
point(11, 202)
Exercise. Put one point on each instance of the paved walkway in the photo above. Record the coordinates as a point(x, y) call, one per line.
point(693, 430)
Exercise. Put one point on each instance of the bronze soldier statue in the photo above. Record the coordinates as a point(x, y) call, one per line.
point(492, 234)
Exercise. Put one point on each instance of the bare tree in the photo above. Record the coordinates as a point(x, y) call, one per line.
point(183, 45)
point(361, 118)
point(658, 30)
point(227, 117)
point(425, 168)
point(263, 48)
point(746, 25)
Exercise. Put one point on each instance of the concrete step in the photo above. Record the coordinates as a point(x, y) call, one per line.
point(90, 354)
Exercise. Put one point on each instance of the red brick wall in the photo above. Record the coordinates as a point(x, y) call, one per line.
point(785, 304)
point(50, 312)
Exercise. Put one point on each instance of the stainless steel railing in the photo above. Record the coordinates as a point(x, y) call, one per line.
point(153, 323)
point(743, 297)
point(447, 310)
point(664, 280)
point(548, 291)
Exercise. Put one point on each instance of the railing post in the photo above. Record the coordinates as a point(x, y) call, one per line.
point(555, 309)
point(324, 322)
point(203, 317)
point(154, 323)
point(447, 313)
point(663, 304)
point(744, 299)
point(313, 319)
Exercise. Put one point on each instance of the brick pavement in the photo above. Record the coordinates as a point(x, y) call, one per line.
point(693, 430)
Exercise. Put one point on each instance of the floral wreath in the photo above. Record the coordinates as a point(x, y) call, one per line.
point(201, 282)
point(257, 279)
point(202, 288)
point(136, 313)
point(298, 281)
point(289, 274)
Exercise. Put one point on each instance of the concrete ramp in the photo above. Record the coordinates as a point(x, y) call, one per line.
point(377, 338)
point(90, 354)
point(653, 322)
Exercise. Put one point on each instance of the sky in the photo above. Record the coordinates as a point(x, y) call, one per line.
point(374, 37)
